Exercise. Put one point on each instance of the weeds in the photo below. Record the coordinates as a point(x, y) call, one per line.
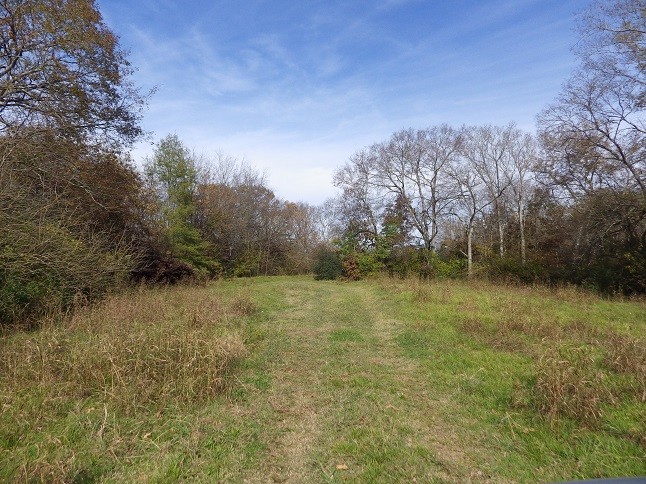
point(627, 355)
point(586, 352)
point(131, 352)
point(569, 383)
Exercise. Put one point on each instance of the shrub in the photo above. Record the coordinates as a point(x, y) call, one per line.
point(510, 269)
point(327, 265)
point(369, 263)
point(351, 269)
point(46, 266)
point(442, 268)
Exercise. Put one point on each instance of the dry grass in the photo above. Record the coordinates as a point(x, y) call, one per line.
point(584, 353)
point(569, 383)
point(521, 333)
point(131, 351)
point(627, 355)
point(572, 362)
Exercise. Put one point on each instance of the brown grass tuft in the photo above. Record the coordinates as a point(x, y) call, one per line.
point(568, 383)
point(497, 336)
point(243, 306)
point(627, 355)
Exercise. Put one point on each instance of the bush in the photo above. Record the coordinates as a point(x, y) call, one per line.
point(443, 268)
point(46, 267)
point(510, 269)
point(351, 268)
point(327, 265)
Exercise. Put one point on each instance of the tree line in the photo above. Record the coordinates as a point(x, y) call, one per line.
point(567, 204)
point(77, 218)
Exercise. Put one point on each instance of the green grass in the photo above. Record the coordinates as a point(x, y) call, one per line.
point(373, 381)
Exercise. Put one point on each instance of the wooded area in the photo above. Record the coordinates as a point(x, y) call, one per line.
point(77, 219)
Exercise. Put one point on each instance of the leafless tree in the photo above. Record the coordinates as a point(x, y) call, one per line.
point(520, 175)
point(594, 132)
point(410, 169)
point(488, 151)
point(471, 202)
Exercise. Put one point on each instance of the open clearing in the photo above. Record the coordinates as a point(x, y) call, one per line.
point(373, 381)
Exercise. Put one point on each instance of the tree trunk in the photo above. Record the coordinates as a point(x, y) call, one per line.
point(501, 232)
point(521, 223)
point(469, 250)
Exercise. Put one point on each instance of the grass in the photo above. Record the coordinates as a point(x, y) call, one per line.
point(290, 379)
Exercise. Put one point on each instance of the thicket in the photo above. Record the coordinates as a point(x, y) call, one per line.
point(328, 265)
point(77, 220)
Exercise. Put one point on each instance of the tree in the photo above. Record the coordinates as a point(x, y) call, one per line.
point(173, 175)
point(411, 170)
point(523, 158)
point(594, 132)
point(471, 201)
point(488, 149)
point(61, 67)
point(413, 165)
point(613, 43)
point(361, 202)
point(595, 155)
point(251, 230)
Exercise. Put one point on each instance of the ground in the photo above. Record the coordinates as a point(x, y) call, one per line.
point(366, 382)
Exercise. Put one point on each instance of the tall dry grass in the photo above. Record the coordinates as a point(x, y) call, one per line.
point(133, 350)
point(569, 383)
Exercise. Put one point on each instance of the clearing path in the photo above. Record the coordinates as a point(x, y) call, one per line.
point(339, 400)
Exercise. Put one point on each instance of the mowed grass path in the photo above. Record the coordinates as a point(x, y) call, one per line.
point(342, 402)
point(371, 381)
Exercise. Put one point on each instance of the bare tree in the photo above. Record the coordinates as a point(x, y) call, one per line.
point(523, 157)
point(410, 170)
point(487, 148)
point(594, 132)
point(361, 201)
point(471, 201)
point(327, 218)
point(613, 43)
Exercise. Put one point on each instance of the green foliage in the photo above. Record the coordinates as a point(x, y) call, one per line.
point(174, 177)
point(47, 267)
point(512, 269)
point(370, 262)
point(327, 265)
point(404, 262)
point(247, 264)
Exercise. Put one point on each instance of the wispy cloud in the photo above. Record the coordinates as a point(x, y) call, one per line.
point(296, 87)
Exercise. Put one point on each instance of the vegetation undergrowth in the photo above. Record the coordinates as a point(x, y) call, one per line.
point(98, 372)
point(562, 368)
point(292, 379)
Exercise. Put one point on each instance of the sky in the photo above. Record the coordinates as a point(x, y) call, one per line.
point(295, 87)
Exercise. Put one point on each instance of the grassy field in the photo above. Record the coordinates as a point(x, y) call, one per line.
point(294, 380)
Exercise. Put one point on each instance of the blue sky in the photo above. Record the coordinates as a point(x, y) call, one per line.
point(296, 87)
